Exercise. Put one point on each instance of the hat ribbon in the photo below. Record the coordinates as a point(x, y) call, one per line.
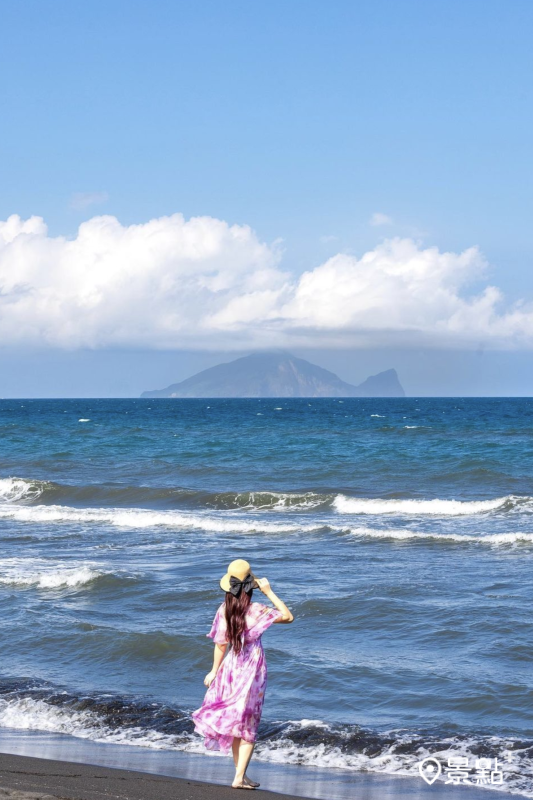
point(236, 585)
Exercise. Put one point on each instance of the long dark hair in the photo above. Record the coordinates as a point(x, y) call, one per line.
point(236, 608)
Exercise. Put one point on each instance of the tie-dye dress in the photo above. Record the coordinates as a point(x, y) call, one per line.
point(234, 701)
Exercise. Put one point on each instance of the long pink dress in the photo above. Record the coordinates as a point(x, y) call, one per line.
point(234, 701)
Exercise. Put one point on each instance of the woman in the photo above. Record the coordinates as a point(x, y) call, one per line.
point(231, 710)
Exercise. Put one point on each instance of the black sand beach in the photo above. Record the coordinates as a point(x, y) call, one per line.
point(28, 778)
point(44, 779)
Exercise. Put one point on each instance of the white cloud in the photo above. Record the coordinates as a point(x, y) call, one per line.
point(378, 219)
point(201, 283)
point(81, 200)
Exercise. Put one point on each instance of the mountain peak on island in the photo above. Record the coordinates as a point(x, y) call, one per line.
point(277, 375)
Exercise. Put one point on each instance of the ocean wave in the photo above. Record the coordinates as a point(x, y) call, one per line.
point(13, 490)
point(404, 534)
point(276, 501)
point(91, 501)
point(318, 744)
point(230, 522)
point(20, 490)
point(315, 743)
point(436, 507)
point(48, 575)
point(30, 705)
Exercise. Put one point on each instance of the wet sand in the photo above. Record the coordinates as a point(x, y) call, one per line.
point(29, 778)
point(25, 778)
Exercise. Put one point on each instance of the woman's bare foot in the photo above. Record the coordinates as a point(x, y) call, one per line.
point(242, 785)
point(251, 783)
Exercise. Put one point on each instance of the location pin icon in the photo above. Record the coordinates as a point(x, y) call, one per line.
point(430, 769)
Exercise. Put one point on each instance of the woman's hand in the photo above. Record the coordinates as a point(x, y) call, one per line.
point(263, 584)
point(210, 677)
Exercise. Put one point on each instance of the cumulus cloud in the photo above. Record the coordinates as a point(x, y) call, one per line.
point(201, 283)
point(81, 200)
point(378, 219)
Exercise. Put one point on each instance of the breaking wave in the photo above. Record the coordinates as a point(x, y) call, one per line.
point(13, 490)
point(20, 491)
point(44, 574)
point(232, 523)
point(403, 534)
point(27, 501)
point(145, 518)
point(439, 508)
point(25, 705)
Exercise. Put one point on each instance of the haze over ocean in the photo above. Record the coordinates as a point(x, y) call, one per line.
point(399, 532)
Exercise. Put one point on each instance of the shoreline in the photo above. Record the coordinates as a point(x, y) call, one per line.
point(61, 766)
point(46, 778)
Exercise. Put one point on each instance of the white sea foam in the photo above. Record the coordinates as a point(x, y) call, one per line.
point(13, 490)
point(29, 714)
point(234, 521)
point(282, 501)
point(227, 521)
point(46, 574)
point(439, 508)
point(518, 775)
point(464, 538)
point(32, 714)
point(84, 420)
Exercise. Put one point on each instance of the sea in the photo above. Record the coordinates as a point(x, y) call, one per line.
point(398, 531)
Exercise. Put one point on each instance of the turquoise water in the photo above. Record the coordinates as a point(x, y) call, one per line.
point(398, 531)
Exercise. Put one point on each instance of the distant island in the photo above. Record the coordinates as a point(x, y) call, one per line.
point(277, 375)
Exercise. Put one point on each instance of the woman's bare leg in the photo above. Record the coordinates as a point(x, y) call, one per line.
point(235, 750)
point(245, 753)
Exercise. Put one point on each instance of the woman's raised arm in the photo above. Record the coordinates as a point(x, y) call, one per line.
point(264, 585)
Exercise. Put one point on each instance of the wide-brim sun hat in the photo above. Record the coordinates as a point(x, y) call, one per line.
point(239, 570)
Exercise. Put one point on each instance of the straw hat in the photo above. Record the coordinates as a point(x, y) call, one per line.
point(238, 569)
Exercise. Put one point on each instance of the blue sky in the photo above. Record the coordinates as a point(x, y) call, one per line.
point(299, 119)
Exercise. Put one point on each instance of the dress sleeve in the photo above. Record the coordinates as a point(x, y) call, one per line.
point(218, 630)
point(263, 617)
